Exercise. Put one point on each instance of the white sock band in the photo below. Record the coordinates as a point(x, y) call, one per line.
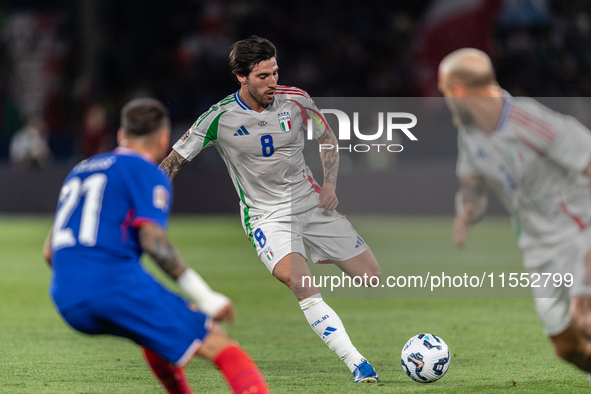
point(329, 327)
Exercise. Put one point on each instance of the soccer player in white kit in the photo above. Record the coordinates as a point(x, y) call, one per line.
point(539, 164)
point(259, 132)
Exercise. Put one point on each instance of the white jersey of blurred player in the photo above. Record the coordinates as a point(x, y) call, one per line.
point(535, 161)
point(263, 151)
point(539, 164)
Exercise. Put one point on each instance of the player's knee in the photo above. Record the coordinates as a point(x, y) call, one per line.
point(377, 273)
point(303, 287)
point(374, 276)
point(566, 351)
point(287, 281)
point(582, 322)
point(569, 345)
point(372, 267)
point(215, 342)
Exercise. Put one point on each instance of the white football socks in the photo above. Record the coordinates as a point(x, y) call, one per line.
point(329, 327)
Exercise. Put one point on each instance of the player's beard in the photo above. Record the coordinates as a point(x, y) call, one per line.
point(260, 98)
point(460, 115)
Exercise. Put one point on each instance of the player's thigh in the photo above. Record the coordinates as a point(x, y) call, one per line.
point(363, 264)
point(328, 235)
point(149, 315)
point(274, 240)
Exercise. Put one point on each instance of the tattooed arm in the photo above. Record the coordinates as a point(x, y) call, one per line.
point(154, 240)
point(173, 163)
point(330, 163)
point(471, 203)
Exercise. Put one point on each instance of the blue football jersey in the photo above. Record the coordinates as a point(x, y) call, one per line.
point(95, 242)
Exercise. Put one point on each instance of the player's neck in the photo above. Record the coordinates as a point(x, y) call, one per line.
point(487, 107)
point(250, 100)
point(487, 113)
point(142, 150)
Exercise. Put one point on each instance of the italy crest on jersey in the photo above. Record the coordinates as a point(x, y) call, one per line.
point(269, 253)
point(284, 121)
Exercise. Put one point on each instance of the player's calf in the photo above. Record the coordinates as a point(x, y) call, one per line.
point(239, 370)
point(170, 376)
point(241, 373)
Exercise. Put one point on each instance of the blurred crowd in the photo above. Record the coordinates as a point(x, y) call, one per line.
point(177, 51)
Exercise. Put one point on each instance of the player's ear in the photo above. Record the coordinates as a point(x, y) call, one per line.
point(459, 91)
point(241, 79)
point(165, 138)
point(121, 137)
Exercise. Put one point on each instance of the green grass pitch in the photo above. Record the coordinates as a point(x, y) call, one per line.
point(497, 345)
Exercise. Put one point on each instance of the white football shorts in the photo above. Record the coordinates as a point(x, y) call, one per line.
point(553, 302)
point(327, 235)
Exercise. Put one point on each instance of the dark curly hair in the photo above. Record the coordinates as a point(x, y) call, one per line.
point(246, 54)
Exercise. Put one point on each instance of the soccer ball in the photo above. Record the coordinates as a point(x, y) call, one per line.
point(425, 358)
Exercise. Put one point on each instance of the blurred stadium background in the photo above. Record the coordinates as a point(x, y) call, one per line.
point(67, 67)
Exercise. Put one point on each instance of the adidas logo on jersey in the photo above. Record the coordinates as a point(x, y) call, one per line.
point(241, 131)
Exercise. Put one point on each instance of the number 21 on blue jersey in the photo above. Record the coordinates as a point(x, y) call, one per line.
point(92, 188)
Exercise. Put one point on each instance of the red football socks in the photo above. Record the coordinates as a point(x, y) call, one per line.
point(172, 377)
point(241, 373)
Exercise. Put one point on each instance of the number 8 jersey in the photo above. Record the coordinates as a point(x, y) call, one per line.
point(263, 151)
point(102, 203)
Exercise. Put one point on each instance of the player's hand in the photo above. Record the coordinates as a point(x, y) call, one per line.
point(328, 197)
point(225, 314)
point(463, 225)
point(218, 307)
point(47, 249)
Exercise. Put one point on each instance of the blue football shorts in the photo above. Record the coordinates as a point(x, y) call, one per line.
point(149, 315)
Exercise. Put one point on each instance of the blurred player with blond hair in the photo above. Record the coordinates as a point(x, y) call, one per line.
point(539, 164)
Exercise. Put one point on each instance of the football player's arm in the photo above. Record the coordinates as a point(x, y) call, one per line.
point(47, 247)
point(155, 242)
point(471, 203)
point(330, 164)
point(173, 163)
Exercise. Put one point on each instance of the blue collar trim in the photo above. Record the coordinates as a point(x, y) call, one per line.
point(244, 106)
point(504, 114)
point(241, 103)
